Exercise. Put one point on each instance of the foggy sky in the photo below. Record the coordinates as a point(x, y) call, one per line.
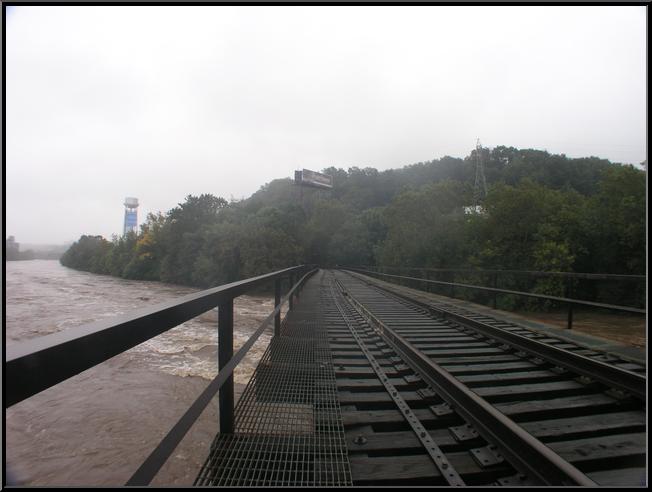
point(162, 102)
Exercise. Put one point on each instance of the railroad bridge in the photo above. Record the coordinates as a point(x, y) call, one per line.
point(367, 382)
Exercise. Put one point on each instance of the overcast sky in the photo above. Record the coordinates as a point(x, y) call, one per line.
point(162, 102)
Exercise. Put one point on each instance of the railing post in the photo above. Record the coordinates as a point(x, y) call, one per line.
point(569, 293)
point(277, 301)
point(291, 306)
point(224, 354)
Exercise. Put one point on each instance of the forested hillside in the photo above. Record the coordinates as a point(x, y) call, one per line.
point(542, 212)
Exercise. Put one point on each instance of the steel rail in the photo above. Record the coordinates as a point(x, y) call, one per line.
point(437, 456)
point(575, 302)
point(524, 451)
point(35, 365)
point(612, 376)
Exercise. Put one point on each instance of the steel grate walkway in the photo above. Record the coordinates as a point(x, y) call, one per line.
point(288, 423)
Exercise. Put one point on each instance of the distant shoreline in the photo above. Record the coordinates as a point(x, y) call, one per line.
point(36, 257)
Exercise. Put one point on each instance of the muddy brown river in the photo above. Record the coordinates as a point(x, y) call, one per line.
point(98, 427)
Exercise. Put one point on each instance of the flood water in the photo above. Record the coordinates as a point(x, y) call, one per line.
point(98, 427)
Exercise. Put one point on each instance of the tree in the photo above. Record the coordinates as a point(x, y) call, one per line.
point(543, 212)
point(145, 263)
point(183, 236)
point(88, 254)
point(615, 222)
point(424, 226)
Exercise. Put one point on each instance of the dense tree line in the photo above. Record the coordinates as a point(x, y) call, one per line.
point(542, 212)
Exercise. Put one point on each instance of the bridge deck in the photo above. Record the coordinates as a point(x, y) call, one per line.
point(333, 402)
point(288, 424)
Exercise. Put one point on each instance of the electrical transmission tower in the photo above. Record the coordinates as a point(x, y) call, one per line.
point(480, 187)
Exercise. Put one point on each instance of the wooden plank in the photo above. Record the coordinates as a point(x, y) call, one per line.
point(609, 423)
point(521, 391)
point(355, 349)
point(445, 352)
point(486, 368)
point(604, 451)
point(530, 410)
point(478, 359)
point(433, 327)
point(402, 440)
point(366, 470)
point(392, 469)
point(346, 346)
point(395, 441)
point(439, 337)
point(422, 324)
point(358, 362)
point(353, 398)
point(393, 416)
point(360, 372)
point(509, 377)
point(433, 333)
point(423, 346)
point(356, 353)
point(624, 477)
point(339, 354)
point(629, 366)
point(519, 411)
point(372, 384)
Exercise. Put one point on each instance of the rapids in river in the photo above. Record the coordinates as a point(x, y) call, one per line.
point(98, 427)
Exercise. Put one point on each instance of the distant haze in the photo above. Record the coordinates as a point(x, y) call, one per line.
point(161, 102)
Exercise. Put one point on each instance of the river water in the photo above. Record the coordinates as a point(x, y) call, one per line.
point(98, 427)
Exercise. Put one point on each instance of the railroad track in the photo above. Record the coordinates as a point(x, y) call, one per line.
point(434, 394)
point(457, 312)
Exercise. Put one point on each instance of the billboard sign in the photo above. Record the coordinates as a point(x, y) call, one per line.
point(313, 178)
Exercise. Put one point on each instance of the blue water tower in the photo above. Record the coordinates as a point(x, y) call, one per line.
point(131, 214)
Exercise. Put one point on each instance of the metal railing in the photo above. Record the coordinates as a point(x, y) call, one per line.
point(534, 273)
point(566, 300)
point(607, 288)
point(36, 365)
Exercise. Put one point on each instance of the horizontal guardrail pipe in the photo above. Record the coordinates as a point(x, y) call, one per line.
point(35, 365)
point(594, 276)
point(576, 302)
point(157, 458)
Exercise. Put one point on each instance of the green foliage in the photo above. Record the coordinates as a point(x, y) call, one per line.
point(527, 227)
point(218, 261)
point(425, 226)
point(615, 222)
point(89, 254)
point(148, 251)
point(543, 212)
